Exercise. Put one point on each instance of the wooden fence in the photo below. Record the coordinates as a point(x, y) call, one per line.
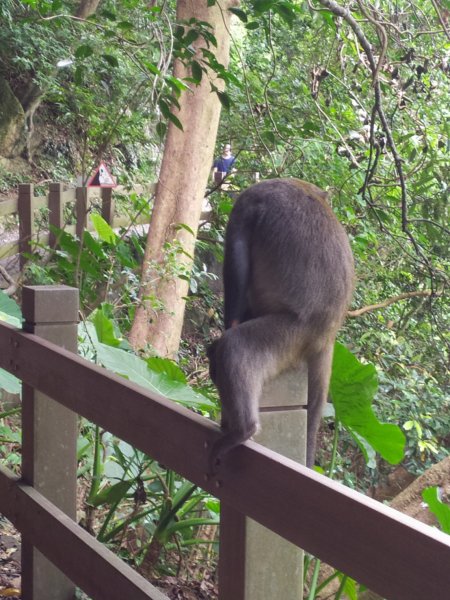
point(396, 556)
point(27, 204)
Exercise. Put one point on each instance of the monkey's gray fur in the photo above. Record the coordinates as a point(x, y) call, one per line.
point(288, 279)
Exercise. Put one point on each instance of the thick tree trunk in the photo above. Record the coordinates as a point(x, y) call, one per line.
point(86, 8)
point(186, 164)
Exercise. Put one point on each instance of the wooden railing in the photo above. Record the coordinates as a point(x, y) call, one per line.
point(27, 204)
point(394, 555)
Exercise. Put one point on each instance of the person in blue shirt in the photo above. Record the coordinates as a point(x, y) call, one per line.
point(223, 165)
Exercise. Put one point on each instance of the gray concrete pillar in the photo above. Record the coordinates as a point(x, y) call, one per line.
point(255, 563)
point(49, 435)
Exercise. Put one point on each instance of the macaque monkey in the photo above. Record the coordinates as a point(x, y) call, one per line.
point(288, 281)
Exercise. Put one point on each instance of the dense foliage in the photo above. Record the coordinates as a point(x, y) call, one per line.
point(356, 102)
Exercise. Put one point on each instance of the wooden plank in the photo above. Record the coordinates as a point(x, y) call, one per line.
point(68, 195)
point(94, 568)
point(81, 211)
point(391, 553)
point(107, 205)
point(125, 221)
point(55, 208)
point(9, 249)
point(26, 220)
point(9, 207)
point(40, 202)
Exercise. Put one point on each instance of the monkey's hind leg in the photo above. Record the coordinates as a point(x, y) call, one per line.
point(319, 370)
point(244, 359)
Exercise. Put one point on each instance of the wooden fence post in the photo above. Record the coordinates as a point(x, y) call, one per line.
point(49, 435)
point(55, 211)
point(107, 205)
point(255, 563)
point(81, 209)
point(26, 220)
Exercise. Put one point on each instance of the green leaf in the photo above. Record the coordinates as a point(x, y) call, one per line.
point(190, 37)
point(197, 71)
point(105, 329)
point(286, 12)
point(9, 308)
point(104, 230)
point(152, 68)
point(440, 510)
point(252, 25)
point(111, 60)
point(9, 383)
point(112, 494)
point(175, 120)
point(352, 388)
point(161, 129)
point(135, 369)
point(224, 100)
point(168, 367)
point(262, 6)
point(78, 75)
point(93, 246)
point(239, 13)
point(84, 51)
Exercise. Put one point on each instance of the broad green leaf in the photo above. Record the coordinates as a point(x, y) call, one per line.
point(105, 329)
point(440, 510)
point(135, 369)
point(167, 366)
point(9, 308)
point(262, 6)
point(93, 246)
point(9, 383)
point(104, 230)
point(352, 388)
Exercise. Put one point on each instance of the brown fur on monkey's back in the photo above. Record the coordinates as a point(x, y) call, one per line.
point(301, 249)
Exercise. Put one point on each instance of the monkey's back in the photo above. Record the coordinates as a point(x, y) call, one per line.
point(299, 247)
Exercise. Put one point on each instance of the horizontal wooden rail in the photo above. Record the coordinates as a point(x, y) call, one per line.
point(94, 194)
point(393, 554)
point(9, 207)
point(89, 564)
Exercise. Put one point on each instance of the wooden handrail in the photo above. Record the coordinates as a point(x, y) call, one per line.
point(395, 555)
point(93, 567)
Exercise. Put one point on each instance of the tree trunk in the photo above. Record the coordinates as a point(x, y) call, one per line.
point(86, 8)
point(186, 164)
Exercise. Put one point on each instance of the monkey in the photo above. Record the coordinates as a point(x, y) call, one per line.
point(288, 281)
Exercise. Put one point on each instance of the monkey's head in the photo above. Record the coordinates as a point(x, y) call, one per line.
point(211, 353)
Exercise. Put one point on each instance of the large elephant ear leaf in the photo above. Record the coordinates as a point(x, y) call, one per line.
point(353, 386)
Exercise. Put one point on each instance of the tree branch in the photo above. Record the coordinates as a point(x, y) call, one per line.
point(344, 13)
point(389, 301)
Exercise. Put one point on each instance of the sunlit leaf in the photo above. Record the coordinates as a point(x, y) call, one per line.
point(440, 510)
point(352, 388)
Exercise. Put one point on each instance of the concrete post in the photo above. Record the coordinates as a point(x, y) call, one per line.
point(255, 563)
point(49, 435)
